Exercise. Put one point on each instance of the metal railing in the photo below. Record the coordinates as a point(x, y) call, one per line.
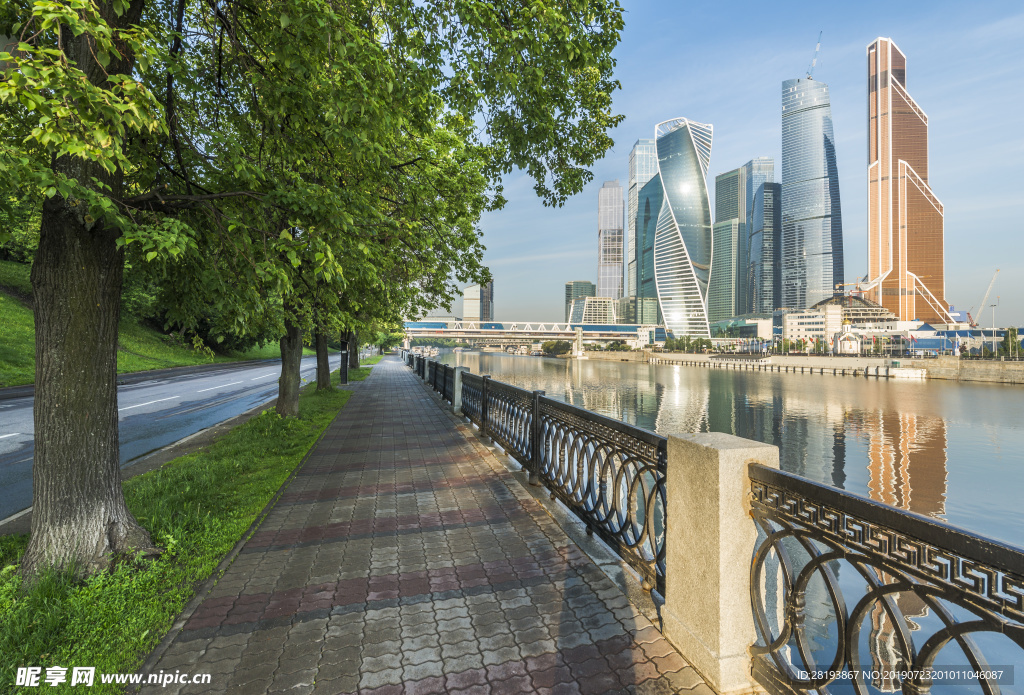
point(924, 588)
point(609, 474)
point(449, 384)
point(612, 476)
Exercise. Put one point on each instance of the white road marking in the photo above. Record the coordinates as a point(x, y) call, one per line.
point(219, 387)
point(262, 377)
point(129, 407)
point(5, 436)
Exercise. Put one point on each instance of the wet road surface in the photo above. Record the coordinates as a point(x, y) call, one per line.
point(153, 414)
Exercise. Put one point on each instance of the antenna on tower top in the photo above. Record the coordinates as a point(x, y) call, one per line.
point(817, 49)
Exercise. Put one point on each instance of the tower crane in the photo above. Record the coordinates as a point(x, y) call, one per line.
point(981, 306)
point(817, 49)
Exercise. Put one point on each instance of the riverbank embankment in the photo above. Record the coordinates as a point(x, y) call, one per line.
point(943, 367)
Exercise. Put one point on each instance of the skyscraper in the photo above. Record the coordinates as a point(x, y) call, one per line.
point(756, 172)
point(906, 266)
point(609, 240)
point(575, 289)
point(734, 200)
point(764, 281)
point(643, 164)
point(673, 223)
point(812, 224)
point(478, 302)
point(724, 270)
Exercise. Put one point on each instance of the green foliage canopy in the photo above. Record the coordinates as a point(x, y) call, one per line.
point(354, 146)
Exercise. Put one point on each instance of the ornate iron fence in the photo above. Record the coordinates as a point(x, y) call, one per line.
point(612, 476)
point(472, 397)
point(510, 419)
point(449, 384)
point(924, 588)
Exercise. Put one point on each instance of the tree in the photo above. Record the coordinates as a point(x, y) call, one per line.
point(1011, 343)
point(247, 151)
point(556, 347)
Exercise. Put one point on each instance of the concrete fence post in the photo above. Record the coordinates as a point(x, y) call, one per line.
point(708, 552)
point(483, 408)
point(457, 386)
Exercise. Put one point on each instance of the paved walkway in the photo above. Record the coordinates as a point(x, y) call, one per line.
point(405, 558)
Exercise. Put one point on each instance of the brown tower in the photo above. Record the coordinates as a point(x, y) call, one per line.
point(905, 224)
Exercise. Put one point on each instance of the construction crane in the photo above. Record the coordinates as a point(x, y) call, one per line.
point(817, 49)
point(981, 306)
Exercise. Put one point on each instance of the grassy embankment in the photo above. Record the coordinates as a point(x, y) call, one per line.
point(140, 348)
point(197, 507)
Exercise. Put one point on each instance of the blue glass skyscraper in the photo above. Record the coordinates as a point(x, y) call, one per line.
point(763, 278)
point(812, 224)
point(734, 200)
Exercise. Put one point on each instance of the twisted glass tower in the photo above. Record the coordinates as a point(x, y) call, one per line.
point(812, 222)
point(673, 227)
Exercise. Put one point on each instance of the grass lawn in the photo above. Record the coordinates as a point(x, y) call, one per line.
point(140, 348)
point(15, 277)
point(197, 507)
point(17, 346)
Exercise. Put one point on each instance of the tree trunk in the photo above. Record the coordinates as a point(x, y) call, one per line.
point(291, 370)
point(323, 364)
point(79, 517)
point(353, 350)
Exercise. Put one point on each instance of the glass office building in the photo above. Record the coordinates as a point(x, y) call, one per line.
point(812, 224)
point(756, 172)
point(764, 281)
point(478, 302)
point(609, 240)
point(734, 200)
point(649, 202)
point(673, 227)
point(724, 271)
point(643, 165)
point(576, 289)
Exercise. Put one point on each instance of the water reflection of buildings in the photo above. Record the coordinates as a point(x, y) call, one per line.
point(907, 461)
point(907, 467)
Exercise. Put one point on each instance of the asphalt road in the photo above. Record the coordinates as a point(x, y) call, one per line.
point(152, 413)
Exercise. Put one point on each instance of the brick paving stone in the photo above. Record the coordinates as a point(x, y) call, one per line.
point(404, 558)
point(466, 679)
point(684, 679)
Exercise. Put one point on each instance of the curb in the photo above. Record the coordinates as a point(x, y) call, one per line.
point(148, 666)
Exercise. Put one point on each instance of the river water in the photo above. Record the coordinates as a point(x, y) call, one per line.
point(953, 451)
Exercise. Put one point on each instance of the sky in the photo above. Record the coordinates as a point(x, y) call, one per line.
point(724, 63)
